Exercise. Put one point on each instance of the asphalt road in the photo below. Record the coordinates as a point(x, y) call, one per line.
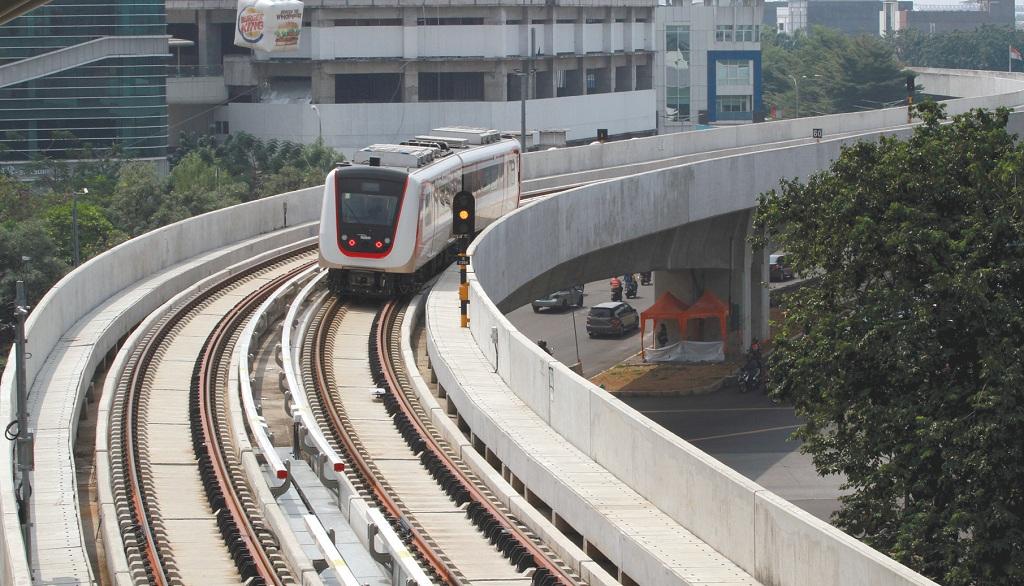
point(746, 432)
point(750, 434)
point(556, 327)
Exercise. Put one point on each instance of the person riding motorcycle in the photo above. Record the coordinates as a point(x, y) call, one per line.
point(616, 286)
point(631, 286)
point(751, 376)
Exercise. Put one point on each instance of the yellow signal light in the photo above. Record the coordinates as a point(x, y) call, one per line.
point(463, 214)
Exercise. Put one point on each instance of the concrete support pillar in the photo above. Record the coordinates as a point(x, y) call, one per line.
point(411, 82)
point(627, 31)
point(322, 84)
point(410, 33)
point(761, 302)
point(203, 36)
point(549, 30)
point(606, 30)
point(746, 253)
point(496, 83)
point(631, 64)
point(524, 32)
point(577, 29)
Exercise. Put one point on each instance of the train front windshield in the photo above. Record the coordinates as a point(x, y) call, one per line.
point(367, 209)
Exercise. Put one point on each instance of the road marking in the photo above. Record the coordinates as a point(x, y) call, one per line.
point(714, 410)
point(739, 433)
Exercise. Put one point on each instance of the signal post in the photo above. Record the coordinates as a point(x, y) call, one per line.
point(463, 227)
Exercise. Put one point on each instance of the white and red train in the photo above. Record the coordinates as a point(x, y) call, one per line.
point(386, 221)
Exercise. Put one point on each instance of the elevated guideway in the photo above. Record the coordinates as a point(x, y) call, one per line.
point(82, 54)
point(84, 315)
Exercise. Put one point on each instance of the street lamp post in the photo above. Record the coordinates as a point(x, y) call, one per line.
point(524, 87)
point(319, 121)
point(74, 223)
point(796, 86)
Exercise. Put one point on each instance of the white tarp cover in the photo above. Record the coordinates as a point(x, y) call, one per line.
point(687, 351)
point(268, 25)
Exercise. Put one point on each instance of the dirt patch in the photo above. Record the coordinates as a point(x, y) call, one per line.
point(666, 379)
point(636, 378)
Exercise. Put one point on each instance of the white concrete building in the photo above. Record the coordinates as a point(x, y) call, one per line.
point(384, 72)
point(393, 70)
point(708, 63)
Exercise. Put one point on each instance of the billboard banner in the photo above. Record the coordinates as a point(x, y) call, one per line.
point(268, 25)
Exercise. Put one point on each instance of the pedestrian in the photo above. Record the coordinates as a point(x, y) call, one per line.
point(616, 285)
point(662, 336)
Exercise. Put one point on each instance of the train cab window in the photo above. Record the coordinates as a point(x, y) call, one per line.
point(367, 209)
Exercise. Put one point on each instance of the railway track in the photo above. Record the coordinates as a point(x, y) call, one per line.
point(185, 510)
point(358, 390)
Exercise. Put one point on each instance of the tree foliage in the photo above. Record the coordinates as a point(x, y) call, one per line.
point(127, 198)
point(907, 358)
point(835, 72)
point(984, 48)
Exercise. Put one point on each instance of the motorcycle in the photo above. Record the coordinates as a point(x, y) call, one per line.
point(751, 376)
point(631, 290)
point(645, 278)
point(617, 294)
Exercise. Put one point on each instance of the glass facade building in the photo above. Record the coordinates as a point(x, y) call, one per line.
point(677, 72)
point(113, 102)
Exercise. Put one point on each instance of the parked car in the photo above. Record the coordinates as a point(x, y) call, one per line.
point(560, 299)
point(778, 268)
point(613, 317)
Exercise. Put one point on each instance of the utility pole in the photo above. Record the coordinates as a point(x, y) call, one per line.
point(22, 438)
point(524, 88)
point(74, 223)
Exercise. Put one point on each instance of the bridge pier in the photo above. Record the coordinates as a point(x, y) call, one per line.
point(716, 255)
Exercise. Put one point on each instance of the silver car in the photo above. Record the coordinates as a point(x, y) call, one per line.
point(560, 299)
point(614, 318)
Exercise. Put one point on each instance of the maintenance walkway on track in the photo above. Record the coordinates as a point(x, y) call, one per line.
point(59, 554)
point(642, 526)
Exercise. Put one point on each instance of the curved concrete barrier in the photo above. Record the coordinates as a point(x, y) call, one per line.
point(125, 270)
point(773, 541)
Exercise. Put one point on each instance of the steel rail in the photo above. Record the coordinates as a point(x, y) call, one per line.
point(226, 497)
point(384, 336)
point(343, 433)
point(126, 432)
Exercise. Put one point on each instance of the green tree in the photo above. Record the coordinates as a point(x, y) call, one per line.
point(984, 48)
point(907, 359)
point(95, 232)
point(27, 253)
point(835, 72)
point(198, 186)
point(137, 197)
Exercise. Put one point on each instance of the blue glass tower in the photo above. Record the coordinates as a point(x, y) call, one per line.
point(106, 87)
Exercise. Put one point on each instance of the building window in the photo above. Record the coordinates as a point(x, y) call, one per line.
point(356, 88)
point(368, 22)
point(450, 21)
point(745, 33)
point(591, 82)
point(732, 72)
point(733, 104)
point(454, 87)
point(677, 72)
point(723, 33)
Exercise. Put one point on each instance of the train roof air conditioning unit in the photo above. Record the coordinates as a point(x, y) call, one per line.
point(472, 135)
point(396, 155)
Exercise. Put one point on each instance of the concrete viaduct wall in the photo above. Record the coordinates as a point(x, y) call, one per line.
point(776, 542)
point(104, 276)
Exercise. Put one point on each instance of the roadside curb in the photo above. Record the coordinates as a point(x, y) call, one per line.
point(713, 387)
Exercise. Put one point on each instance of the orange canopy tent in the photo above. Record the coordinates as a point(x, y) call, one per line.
point(666, 307)
point(709, 305)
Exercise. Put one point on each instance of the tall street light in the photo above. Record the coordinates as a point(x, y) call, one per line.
point(319, 121)
point(74, 222)
point(796, 86)
point(524, 87)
